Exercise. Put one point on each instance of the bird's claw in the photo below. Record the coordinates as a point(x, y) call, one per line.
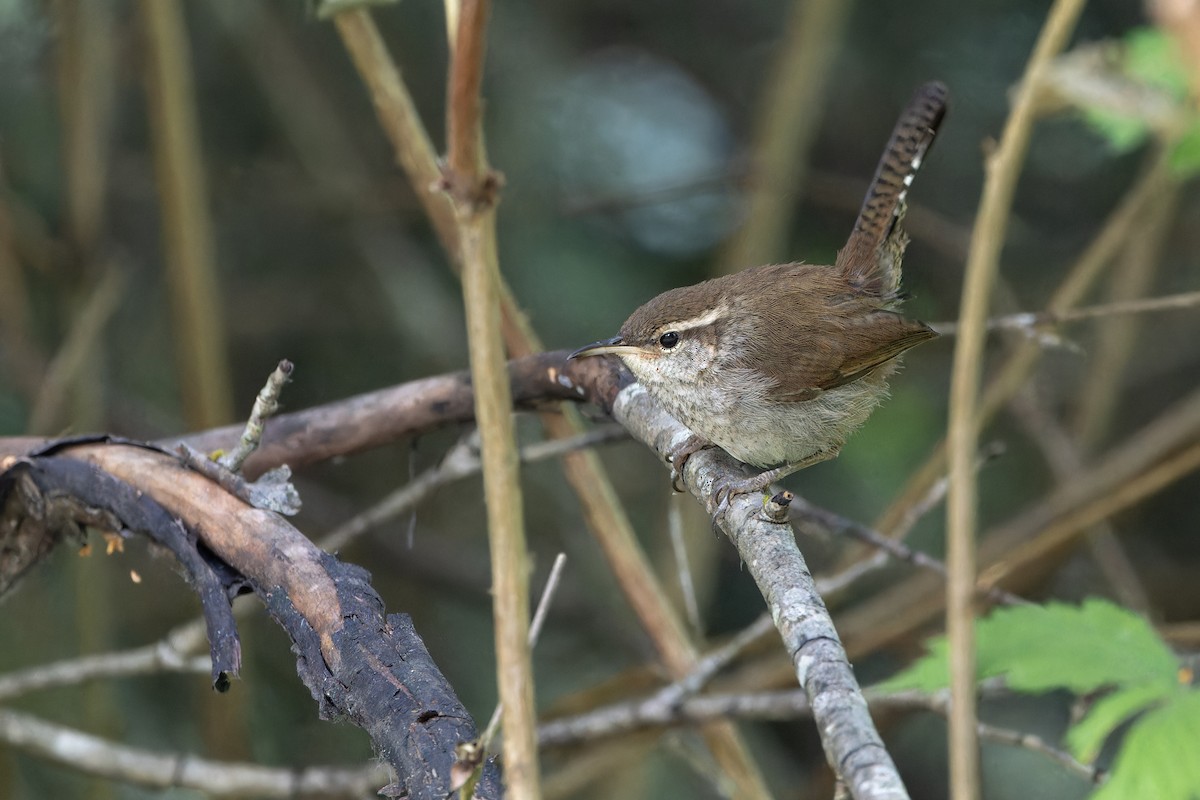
point(726, 489)
point(678, 456)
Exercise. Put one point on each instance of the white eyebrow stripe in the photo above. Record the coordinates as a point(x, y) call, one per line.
point(707, 318)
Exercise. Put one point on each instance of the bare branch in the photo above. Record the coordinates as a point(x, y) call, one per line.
point(96, 756)
point(350, 655)
point(461, 461)
point(770, 553)
point(623, 718)
point(149, 660)
point(1029, 322)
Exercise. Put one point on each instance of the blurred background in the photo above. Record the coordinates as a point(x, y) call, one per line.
point(627, 133)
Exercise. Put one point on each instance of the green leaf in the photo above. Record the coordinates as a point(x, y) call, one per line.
point(1151, 56)
point(1122, 133)
point(1039, 648)
point(1055, 646)
point(1088, 735)
point(1085, 648)
point(1158, 758)
point(1185, 155)
point(927, 674)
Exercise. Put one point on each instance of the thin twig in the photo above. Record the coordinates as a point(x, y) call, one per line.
point(665, 703)
point(400, 121)
point(132, 765)
point(535, 631)
point(805, 513)
point(152, 659)
point(266, 403)
point(963, 438)
point(1036, 744)
point(648, 712)
point(883, 546)
point(715, 661)
point(683, 567)
point(461, 461)
point(65, 367)
point(187, 228)
point(1030, 321)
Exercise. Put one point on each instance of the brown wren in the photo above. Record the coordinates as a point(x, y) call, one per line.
point(779, 364)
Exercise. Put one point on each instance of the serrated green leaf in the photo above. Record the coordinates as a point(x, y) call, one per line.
point(1158, 758)
point(1184, 159)
point(1088, 735)
point(1039, 648)
point(1055, 646)
point(1151, 56)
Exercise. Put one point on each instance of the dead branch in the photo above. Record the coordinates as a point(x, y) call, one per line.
point(359, 663)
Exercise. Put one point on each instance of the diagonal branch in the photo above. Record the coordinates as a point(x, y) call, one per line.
point(768, 548)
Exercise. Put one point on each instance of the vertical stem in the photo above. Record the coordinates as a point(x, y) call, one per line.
point(71, 390)
point(502, 492)
point(86, 68)
point(1080, 278)
point(86, 89)
point(472, 188)
point(466, 77)
point(400, 121)
point(987, 240)
point(602, 509)
point(187, 228)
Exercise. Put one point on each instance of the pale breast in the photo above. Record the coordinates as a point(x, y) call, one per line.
point(731, 409)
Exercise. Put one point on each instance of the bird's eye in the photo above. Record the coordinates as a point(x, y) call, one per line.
point(669, 340)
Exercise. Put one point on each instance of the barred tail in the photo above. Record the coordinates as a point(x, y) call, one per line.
point(871, 258)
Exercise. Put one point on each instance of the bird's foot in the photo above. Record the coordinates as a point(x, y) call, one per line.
point(728, 488)
point(680, 453)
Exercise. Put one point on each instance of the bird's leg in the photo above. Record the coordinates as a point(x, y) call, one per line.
point(726, 489)
point(679, 454)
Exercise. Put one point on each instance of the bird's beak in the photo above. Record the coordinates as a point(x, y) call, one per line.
point(613, 346)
